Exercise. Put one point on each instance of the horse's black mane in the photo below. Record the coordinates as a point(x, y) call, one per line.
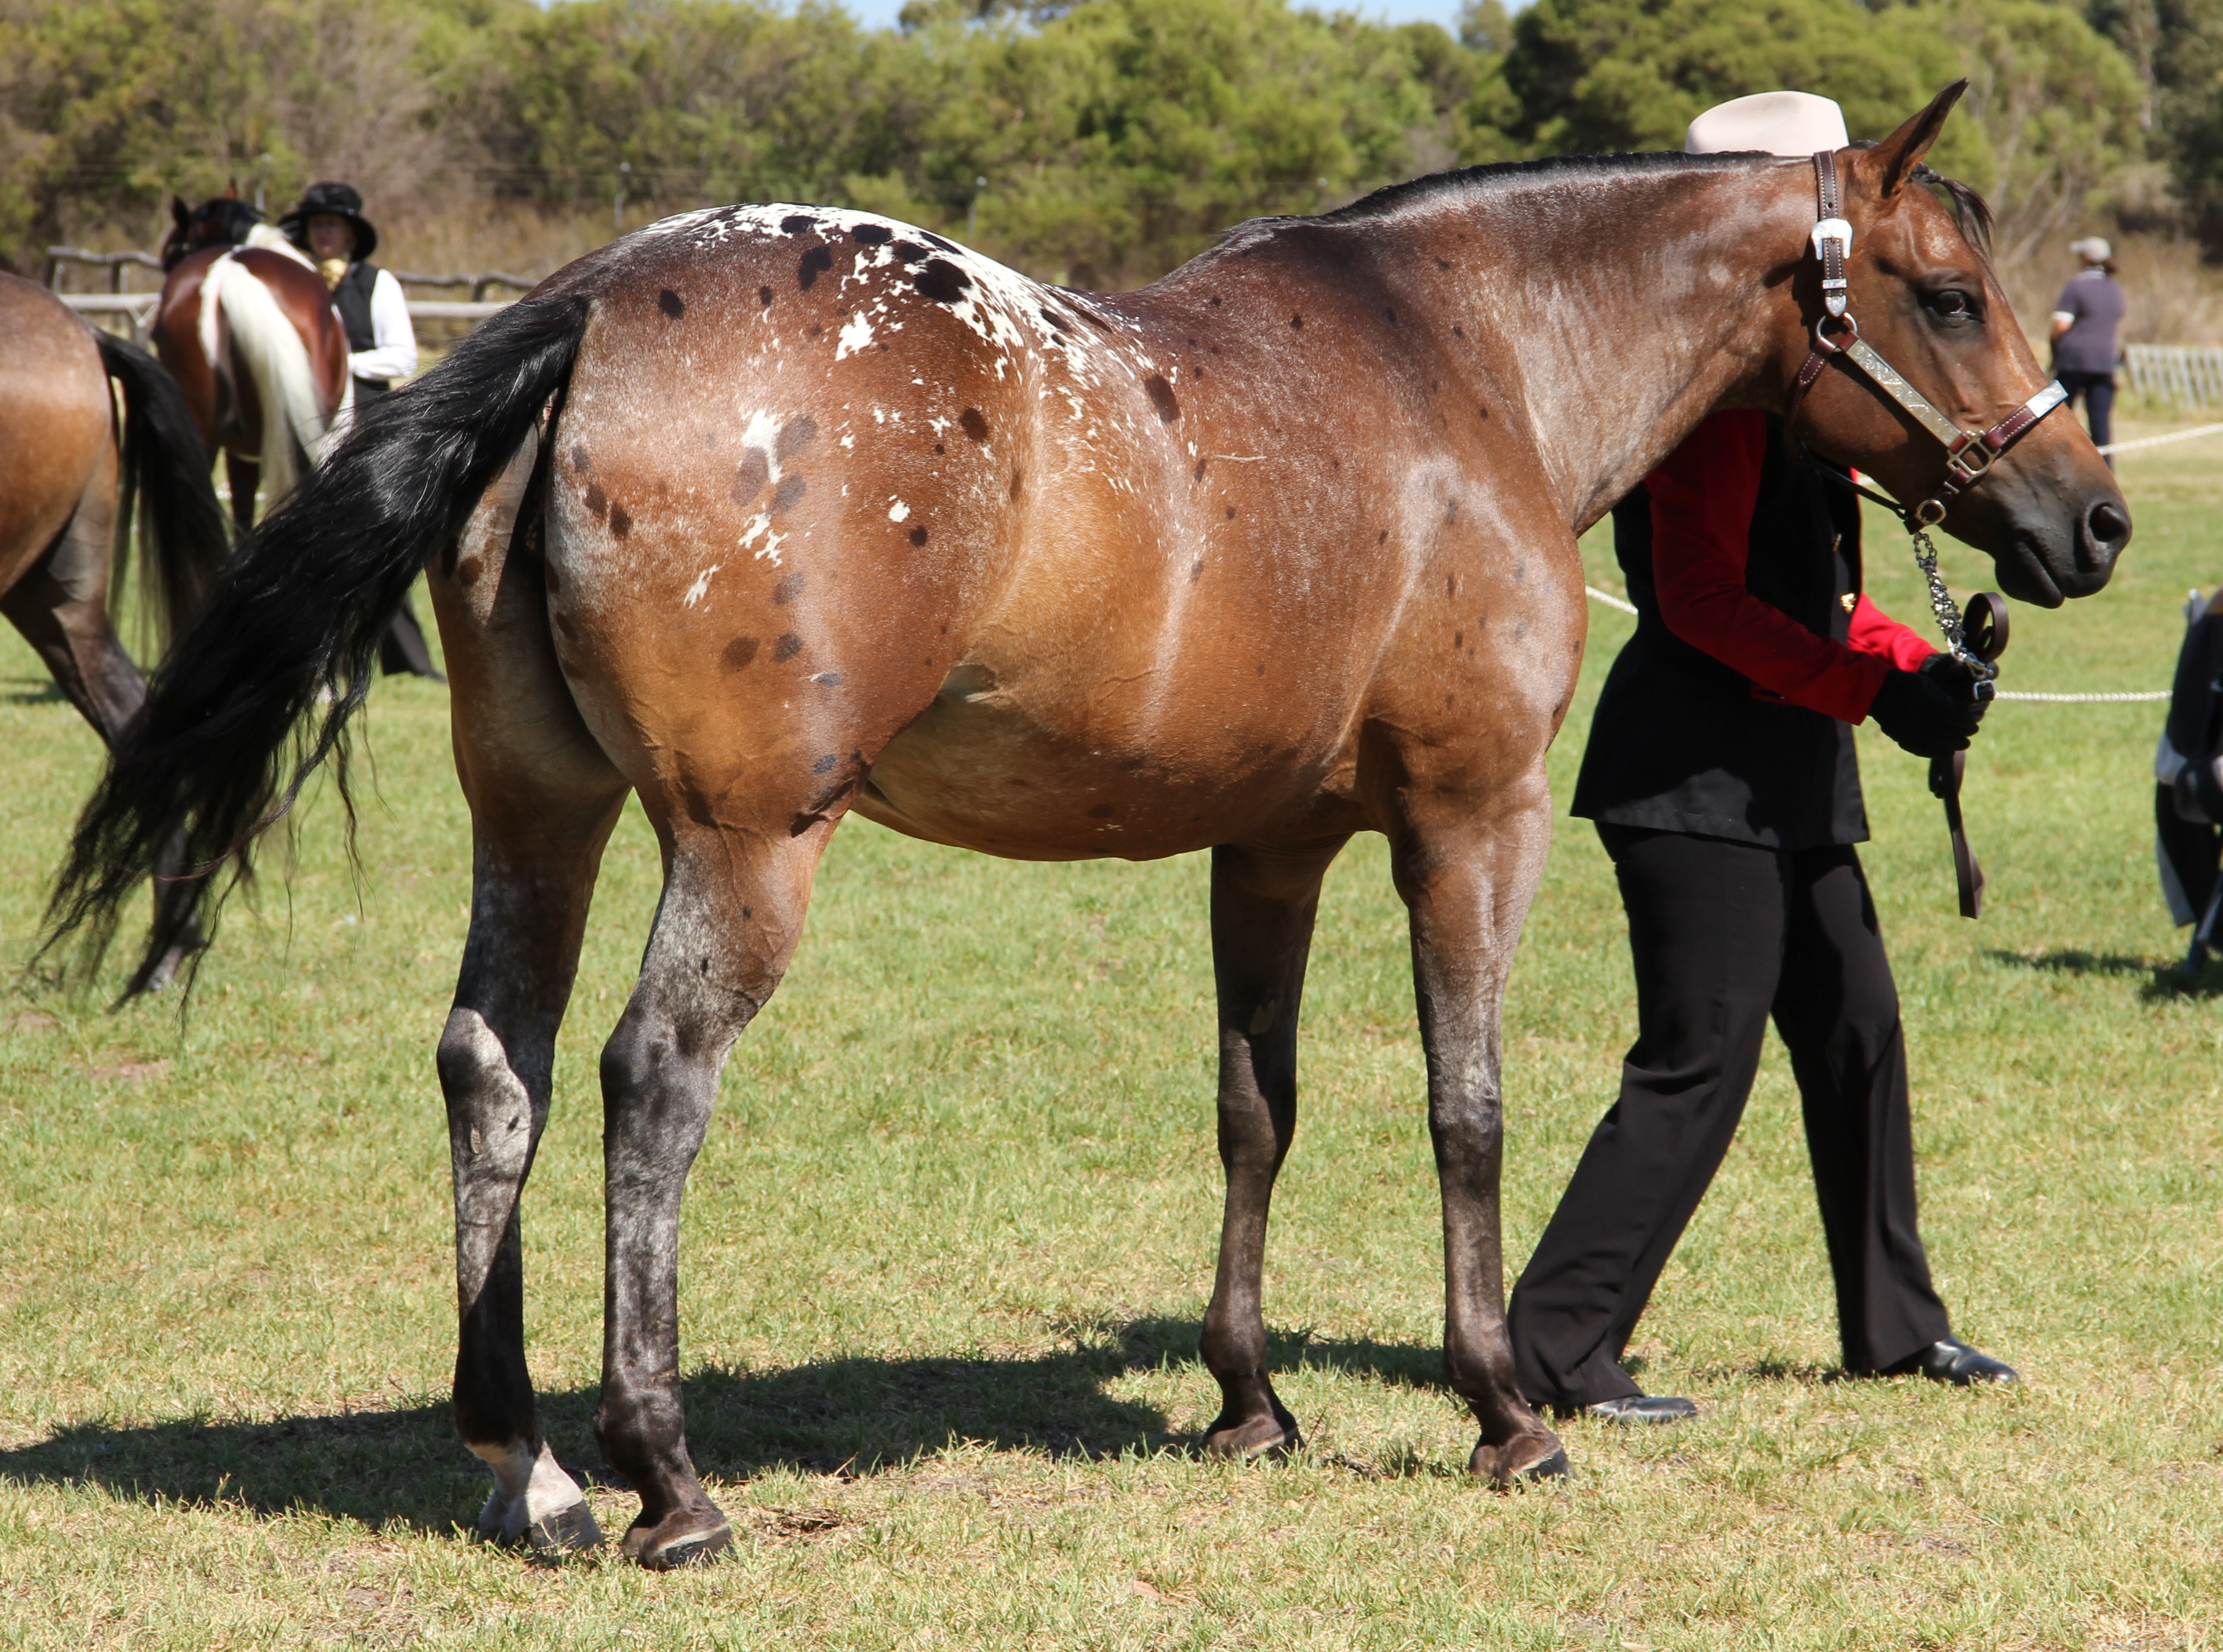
point(1467, 181)
point(1969, 209)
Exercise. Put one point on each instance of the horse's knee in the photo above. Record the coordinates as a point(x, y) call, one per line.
point(490, 1114)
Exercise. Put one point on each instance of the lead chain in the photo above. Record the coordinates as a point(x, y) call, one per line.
point(1947, 611)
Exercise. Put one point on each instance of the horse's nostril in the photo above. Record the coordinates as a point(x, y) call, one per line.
point(2109, 528)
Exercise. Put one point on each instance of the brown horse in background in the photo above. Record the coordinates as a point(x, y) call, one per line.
point(246, 326)
point(75, 471)
point(768, 513)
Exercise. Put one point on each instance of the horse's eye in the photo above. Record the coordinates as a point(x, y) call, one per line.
point(1951, 302)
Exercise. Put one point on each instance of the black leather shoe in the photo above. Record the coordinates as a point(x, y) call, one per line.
point(1643, 1408)
point(1954, 1361)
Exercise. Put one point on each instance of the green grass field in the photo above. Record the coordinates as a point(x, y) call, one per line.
point(949, 1245)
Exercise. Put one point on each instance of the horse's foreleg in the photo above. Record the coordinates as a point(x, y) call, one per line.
point(1467, 876)
point(731, 908)
point(1263, 905)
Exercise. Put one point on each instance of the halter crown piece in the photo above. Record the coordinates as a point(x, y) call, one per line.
point(1969, 454)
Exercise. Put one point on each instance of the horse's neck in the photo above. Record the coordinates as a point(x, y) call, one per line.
point(1630, 306)
point(271, 239)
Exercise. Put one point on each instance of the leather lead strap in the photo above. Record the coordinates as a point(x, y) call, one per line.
point(1945, 774)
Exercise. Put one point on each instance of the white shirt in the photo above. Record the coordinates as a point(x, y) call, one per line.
point(394, 354)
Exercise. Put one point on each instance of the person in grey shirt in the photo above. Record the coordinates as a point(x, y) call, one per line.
point(2088, 324)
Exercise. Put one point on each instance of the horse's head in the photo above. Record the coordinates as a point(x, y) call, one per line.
point(1921, 294)
point(222, 221)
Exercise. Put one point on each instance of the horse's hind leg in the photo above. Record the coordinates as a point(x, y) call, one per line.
point(544, 798)
point(1466, 872)
point(61, 608)
point(1264, 901)
point(732, 907)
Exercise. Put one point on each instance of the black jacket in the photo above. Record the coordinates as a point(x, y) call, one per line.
point(1679, 743)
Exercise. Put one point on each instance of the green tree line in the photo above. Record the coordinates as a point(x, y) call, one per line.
point(1099, 141)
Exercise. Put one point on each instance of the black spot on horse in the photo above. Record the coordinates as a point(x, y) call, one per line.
point(1230, 512)
point(739, 654)
point(946, 246)
point(827, 763)
point(872, 234)
point(796, 222)
point(909, 251)
point(620, 522)
point(942, 281)
point(1390, 314)
point(579, 457)
point(973, 423)
point(788, 589)
point(1200, 463)
point(1458, 639)
point(749, 479)
point(789, 493)
point(918, 534)
point(1056, 324)
point(815, 260)
point(796, 435)
point(1297, 321)
point(1458, 332)
point(1196, 570)
point(597, 500)
point(1018, 482)
point(1162, 398)
point(833, 680)
point(764, 297)
point(671, 304)
point(788, 647)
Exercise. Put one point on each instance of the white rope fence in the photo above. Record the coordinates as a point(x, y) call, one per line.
point(2156, 441)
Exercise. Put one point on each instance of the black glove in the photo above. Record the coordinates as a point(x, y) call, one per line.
point(1930, 712)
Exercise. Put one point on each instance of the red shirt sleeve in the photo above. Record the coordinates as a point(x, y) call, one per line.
point(1703, 497)
point(1874, 631)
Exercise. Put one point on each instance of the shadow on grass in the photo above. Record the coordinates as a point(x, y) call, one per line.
point(30, 690)
point(2161, 978)
point(407, 1466)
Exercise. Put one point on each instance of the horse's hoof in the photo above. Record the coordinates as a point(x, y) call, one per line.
point(1492, 1464)
point(1263, 1440)
point(686, 1537)
point(565, 1531)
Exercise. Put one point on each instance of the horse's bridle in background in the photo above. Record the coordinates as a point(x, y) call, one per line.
point(1969, 455)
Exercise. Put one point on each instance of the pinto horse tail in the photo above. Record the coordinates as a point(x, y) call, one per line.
point(184, 536)
point(232, 729)
point(295, 424)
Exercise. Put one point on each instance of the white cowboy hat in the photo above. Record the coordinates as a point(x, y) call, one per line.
point(1776, 123)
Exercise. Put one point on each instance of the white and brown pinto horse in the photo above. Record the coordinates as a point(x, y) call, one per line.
point(246, 326)
point(770, 513)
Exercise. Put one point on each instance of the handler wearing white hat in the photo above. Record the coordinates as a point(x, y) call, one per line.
point(2088, 324)
point(1721, 777)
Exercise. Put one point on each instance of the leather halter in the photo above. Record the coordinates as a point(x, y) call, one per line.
point(1969, 454)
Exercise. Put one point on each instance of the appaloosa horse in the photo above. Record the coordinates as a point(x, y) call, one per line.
point(246, 326)
point(68, 491)
point(770, 512)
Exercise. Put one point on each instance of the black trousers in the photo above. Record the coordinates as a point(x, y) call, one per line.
point(2098, 390)
point(1725, 935)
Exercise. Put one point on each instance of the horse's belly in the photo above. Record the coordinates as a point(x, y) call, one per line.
point(980, 771)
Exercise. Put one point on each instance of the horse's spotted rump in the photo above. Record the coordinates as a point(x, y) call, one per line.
point(942, 281)
point(794, 436)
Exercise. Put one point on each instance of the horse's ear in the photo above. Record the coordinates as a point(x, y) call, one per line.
point(180, 212)
point(231, 184)
point(1894, 159)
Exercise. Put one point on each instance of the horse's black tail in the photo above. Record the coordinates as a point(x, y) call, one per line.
point(225, 741)
point(184, 537)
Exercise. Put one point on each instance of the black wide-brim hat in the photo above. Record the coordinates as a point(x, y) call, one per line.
point(341, 200)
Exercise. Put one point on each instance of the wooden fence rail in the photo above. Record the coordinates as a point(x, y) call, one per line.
point(2175, 373)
